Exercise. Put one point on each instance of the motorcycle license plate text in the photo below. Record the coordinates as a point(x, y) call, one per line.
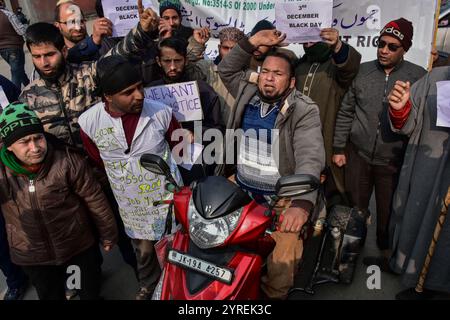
point(202, 266)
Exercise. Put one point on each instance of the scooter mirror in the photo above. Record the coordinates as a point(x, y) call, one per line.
point(296, 185)
point(157, 165)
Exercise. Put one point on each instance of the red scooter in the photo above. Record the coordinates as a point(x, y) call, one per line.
point(219, 251)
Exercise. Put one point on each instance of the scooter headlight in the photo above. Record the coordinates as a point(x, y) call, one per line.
point(210, 233)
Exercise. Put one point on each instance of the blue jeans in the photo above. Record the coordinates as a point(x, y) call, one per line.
point(15, 277)
point(16, 60)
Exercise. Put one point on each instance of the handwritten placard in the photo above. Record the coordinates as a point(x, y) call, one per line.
point(302, 21)
point(3, 99)
point(123, 14)
point(183, 98)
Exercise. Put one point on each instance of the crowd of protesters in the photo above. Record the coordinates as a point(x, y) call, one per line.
point(71, 140)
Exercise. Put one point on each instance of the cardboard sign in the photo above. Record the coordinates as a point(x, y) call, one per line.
point(123, 14)
point(302, 21)
point(183, 98)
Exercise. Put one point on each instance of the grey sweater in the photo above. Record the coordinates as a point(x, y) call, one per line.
point(363, 118)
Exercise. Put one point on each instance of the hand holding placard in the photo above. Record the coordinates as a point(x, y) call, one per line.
point(102, 28)
point(331, 37)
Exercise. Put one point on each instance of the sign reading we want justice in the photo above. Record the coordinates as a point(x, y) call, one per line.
point(183, 98)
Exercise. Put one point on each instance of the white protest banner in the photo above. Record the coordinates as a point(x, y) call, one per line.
point(3, 99)
point(359, 21)
point(302, 21)
point(123, 14)
point(183, 98)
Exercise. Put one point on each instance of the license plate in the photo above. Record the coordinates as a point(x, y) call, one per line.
point(199, 265)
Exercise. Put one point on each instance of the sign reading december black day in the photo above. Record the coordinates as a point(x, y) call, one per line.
point(183, 98)
point(303, 20)
point(123, 14)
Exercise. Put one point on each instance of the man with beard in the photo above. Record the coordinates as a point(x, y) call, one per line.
point(65, 91)
point(70, 21)
point(363, 140)
point(53, 206)
point(270, 104)
point(170, 26)
point(172, 58)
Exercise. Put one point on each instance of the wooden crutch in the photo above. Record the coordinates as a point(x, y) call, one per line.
point(432, 248)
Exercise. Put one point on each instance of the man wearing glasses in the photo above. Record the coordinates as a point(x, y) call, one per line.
point(70, 21)
point(363, 140)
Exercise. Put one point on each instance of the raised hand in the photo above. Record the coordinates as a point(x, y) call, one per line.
point(165, 30)
point(202, 35)
point(268, 38)
point(399, 95)
point(331, 37)
point(148, 18)
point(102, 28)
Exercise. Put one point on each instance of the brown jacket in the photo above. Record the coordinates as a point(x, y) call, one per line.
point(54, 223)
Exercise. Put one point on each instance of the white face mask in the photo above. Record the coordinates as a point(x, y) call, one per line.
point(74, 21)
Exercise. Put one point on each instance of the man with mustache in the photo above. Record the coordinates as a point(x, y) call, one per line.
point(269, 103)
point(70, 21)
point(172, 58)
point(363, 140)
point(65, 91)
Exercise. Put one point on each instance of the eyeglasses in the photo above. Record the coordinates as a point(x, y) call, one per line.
point(73, 22)
point(392, 47)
